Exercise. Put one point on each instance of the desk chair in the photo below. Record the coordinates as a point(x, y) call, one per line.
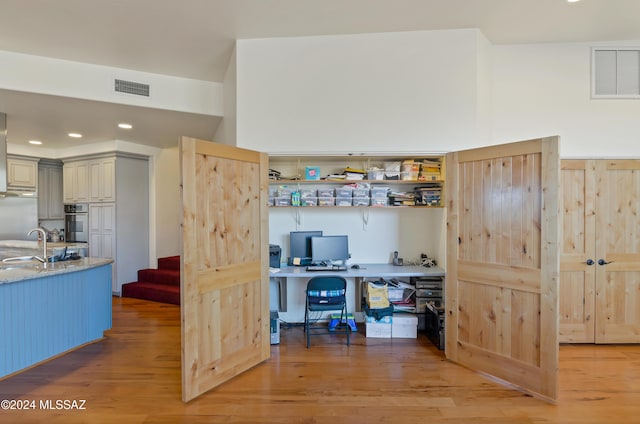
point(326, 293)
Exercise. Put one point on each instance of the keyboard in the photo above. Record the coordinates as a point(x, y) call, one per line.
point(326, 268)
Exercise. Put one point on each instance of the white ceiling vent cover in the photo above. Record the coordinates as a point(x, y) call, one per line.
point(130, 87)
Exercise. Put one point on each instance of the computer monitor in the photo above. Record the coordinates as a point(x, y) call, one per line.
point(325, 250)
point(300, 246)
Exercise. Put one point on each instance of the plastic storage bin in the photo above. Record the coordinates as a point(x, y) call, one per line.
point(325, 192)
point(282, 201)
point(309, 201)
point(326, 201)
point(379, 201)
point(361, 201)
point(344, 201)
point(344, 192)
point(308, 192)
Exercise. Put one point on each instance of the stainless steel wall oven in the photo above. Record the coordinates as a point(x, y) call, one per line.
point(76, 223)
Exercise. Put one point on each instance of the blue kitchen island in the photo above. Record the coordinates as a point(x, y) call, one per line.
point(46, 311)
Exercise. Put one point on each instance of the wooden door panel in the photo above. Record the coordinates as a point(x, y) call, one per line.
point(503, 262)
point(619, 308)
point(577, 278)
point(224, 283)
point(618, 244)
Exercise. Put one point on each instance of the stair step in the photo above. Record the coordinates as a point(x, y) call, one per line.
point(152, 291)
point(160, 276)
point(158, 285)
point(169, 262)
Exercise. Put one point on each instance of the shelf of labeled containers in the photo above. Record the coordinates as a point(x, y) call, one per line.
point(357, 193)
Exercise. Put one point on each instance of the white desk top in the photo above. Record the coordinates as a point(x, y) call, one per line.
point(365, 270)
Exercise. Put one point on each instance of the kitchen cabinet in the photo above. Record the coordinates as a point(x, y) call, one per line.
point(600, 277)
point(22, 172)
point(118, 229)
point(75, 182)
point(102, 177)
point(102, 228)
point(50, 198)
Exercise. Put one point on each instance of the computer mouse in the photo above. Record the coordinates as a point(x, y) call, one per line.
point(356, 266)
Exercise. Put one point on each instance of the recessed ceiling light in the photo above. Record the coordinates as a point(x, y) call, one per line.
point(75, 135)
point(125, 126)
point(35, 142)
point(573, 1)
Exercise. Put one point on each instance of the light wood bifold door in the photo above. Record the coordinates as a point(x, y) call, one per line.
point(225, 266)
point(503, 230)
point(600, 283)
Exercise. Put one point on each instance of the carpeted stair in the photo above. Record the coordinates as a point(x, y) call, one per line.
point(159, 285)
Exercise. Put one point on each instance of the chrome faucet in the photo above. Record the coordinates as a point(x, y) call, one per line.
point(42, 259)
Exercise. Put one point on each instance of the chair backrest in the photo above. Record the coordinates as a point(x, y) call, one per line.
point(326, 290)
point(323, 283)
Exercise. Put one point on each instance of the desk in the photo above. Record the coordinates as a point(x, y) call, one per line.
point(387, 271)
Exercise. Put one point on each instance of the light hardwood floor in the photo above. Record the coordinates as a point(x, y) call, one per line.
point(133, 376)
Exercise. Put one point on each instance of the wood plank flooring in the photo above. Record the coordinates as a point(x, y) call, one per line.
point(133, 376)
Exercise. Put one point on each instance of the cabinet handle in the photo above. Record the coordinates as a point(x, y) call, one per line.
point(603, 262)
point(590, 262)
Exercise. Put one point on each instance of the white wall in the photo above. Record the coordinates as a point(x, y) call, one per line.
point(409, 91)
point(544, 89)
point(226, 131)
point(168, 209)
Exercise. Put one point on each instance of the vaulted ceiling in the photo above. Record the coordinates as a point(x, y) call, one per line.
point(195, 39)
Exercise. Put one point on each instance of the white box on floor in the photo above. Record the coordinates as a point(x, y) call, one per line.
point(404, 326)
point(380, 329)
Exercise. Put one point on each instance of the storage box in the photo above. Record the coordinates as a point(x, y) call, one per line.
point(379, 201)
point(275, 327)
point(326, 201)
point(377, 295)
point(375, 174)
point(282, 201)
point(404, 326)
point(378, 329)
point(309, 201)
point(325, 192)
point(379, 192)
point(312, 173)
point(360, 192)
point(283, 191)
point(308, 192)
point(344, 192)
point(344, 201)
point(361, 201)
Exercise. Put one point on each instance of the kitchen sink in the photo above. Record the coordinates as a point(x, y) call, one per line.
point(18, 259)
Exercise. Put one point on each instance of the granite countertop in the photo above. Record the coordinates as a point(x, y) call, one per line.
point(25, 270)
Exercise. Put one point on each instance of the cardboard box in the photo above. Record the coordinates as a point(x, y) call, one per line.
point(312, 173)
point(404, 326)
point(377, 295)
point(378, 329)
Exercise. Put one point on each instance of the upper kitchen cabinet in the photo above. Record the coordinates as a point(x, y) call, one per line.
point(22, 172)
point(102, 177)
point(90, 179)
point(50, 204)
point(76, 182)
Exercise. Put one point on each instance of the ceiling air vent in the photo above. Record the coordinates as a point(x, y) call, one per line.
point(131, 87)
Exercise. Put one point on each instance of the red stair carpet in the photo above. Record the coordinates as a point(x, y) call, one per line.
point(159, 285)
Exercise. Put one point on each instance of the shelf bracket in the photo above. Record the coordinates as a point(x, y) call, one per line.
point(365, 218)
